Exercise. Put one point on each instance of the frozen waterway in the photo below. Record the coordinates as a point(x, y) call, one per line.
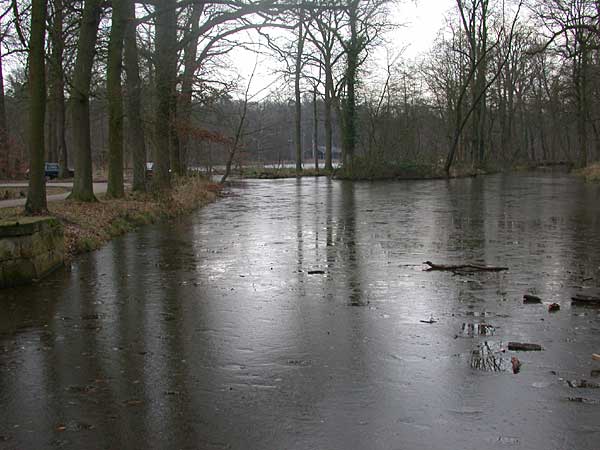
point(288, 316)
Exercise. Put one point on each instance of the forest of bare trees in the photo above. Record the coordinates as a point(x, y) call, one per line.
point(106, 86)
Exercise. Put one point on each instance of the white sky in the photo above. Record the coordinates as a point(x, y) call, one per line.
point(420, 21)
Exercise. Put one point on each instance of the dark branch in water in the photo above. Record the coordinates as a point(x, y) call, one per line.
point(468, 267)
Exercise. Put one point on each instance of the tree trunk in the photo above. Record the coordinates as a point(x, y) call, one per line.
point(582, 105)
point(115, 101)
point(4, 148)
point(36, 195)
point(187, 84)
point(51, 145)
point(174, 147)
point(58, 86)
point(328, 119)
point(165, 60)
point(136, 135)
point(298, 99)
point(349, 104)
point(316, 128)
point(83, 189)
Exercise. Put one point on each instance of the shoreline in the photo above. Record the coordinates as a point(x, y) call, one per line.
point(89, 226)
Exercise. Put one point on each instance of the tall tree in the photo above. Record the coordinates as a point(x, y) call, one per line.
point(503, 43)
point(165, 60)
point(298, 92)
point(115, 101)
point(4, 148)
point(190, 66)
point(136, 135)
point(83, 188)
point(56, 79)
point(573, 26)
point(353, 46)
point(322, 30)
point(4, 145)
point(474, 15)
point(36, 195)
point(315, 140)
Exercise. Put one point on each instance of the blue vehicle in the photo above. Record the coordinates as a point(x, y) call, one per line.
point(51, 170)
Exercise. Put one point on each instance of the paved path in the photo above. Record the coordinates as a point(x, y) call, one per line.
point(99, 188)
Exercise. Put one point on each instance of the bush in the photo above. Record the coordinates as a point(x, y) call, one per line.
point(365, 168)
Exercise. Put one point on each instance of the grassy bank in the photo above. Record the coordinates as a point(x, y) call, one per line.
point(276, 173)
point(591, 173)
point(88, 226)
point(367, 170)
point(373, 170)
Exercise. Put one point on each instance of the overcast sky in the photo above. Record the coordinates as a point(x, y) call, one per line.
point(420, 20)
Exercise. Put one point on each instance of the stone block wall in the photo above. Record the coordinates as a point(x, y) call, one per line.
point(30, 248)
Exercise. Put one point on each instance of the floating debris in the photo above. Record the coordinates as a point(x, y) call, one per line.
point(554, 307)
point(583, 384)
point(74, 426)
point(531, 299)
point(588, 401)
point(586, 299)
point(316, 272)
point(516, 364)
point(299, 362)
point(81, 389)
point(524, 347)
point(90, 317)
point(430, 321)
point(463, 267)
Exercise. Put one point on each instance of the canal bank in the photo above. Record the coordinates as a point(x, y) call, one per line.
point(88, 226)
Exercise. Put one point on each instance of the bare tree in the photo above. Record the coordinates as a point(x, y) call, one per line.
point(56, 79)
point(134, 101)
point(83, 189)
point(4, 146)
point(36, 195)
point(116, 188)
point(239, 128)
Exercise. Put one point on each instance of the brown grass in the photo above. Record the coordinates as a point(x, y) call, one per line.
point(591, 173)
point(88, 226)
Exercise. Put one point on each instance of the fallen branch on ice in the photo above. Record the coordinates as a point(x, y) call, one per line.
point(465, 267)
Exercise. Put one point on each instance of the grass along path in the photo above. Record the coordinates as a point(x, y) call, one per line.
point(88, 226)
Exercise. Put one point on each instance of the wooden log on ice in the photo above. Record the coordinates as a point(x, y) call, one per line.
point(466, 267)
point(528, 299)
point(524, 347)
point(587, 298)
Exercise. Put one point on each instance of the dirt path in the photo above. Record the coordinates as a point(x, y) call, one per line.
point(99, 188)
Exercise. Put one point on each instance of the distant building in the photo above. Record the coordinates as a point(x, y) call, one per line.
point(336, 153)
